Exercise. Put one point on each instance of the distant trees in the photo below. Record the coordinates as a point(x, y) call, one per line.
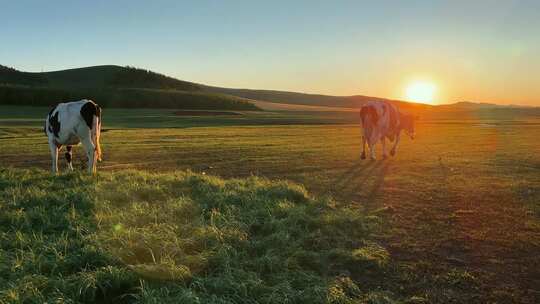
point(11, 75)
point(131, 77)
point(118, 77)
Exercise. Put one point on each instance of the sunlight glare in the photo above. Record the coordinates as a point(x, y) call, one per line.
point(421, 91)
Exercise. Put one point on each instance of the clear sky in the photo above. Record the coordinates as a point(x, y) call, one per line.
point(470, 50)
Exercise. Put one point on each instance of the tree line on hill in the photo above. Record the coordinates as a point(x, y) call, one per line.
point(12, 76)
point(132, 77)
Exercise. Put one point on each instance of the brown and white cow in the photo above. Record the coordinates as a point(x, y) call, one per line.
point(72, 123)
point(380, 121)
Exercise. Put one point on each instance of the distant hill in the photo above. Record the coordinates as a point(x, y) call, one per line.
point(355, 101)
point(12, 76)
point(117, 77)
point(112, 86)
point(118, 86)
point(109, 76)
point(351, 102)
point(471, 105)
point(133, 87)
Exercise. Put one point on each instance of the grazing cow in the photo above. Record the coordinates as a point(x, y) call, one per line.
point(72, 123)
point(382, 120)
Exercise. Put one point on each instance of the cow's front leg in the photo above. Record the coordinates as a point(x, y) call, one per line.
point(89, 148)
point(384, 152)
point(372, 150)
point(393, 151)
point(69, 157)
point(363, 156)
point(372, 142)
point(54, 157)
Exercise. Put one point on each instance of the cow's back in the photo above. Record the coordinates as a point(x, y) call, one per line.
point(369, 116)
point(68, 121)
point(377, 113)
point(379, 119)
point(69, 113)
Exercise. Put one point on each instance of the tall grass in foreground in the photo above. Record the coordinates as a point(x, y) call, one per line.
point(132, 236)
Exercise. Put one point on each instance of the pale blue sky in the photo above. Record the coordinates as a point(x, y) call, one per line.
point(472, 50)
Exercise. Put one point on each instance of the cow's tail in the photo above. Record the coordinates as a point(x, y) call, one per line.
point(369, 116)
point(96, 131)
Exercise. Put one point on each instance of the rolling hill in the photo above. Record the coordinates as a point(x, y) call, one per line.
point(96, 77)
point(111, 86)
point(118, 86)
point(130, 87)
point(305, 99)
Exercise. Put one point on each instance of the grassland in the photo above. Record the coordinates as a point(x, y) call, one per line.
point(454, 218)
point(182, 237)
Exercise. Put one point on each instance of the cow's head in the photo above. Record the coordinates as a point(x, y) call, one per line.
point(407, 122)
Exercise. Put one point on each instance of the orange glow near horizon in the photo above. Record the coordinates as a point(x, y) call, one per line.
point(421, 91)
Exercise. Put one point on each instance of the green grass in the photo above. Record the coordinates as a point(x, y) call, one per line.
point(179, 237)
point(454, 218)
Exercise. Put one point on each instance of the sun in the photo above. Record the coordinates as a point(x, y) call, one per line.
point(421, 91)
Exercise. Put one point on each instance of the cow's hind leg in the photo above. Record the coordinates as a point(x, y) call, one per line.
point(393, 150)
point(372, 145)
point(383, 142)
point(89, 148)
point(54, 157)
point(363, 156)
point(69, 157)
point(372, 152)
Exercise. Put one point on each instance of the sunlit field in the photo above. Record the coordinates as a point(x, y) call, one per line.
point(293, 216)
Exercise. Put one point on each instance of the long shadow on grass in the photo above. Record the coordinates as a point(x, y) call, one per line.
point(376, 187)
point(340, 187)
point(362, 181)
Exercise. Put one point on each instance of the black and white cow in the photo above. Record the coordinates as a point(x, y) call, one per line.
point(380, 121)
point(72, 123)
